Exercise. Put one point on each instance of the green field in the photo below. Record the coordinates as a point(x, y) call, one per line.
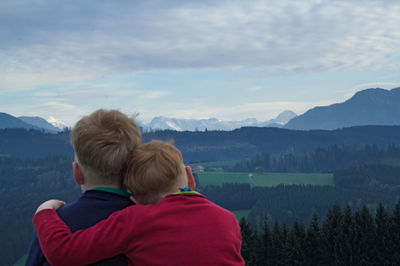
point(241, 213)
point(216, 163)
point(266, 179)
point(218, 178)
point(21, 261)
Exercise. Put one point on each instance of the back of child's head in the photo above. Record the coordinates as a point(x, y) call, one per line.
point(102, 143)
point(154, 169)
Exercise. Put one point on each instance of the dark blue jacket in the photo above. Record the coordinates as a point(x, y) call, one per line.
point(92, 207)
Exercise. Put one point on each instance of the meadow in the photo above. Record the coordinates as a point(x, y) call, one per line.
point(216, 163)
point(265, 179)
point(241, 213)
point(21, 261)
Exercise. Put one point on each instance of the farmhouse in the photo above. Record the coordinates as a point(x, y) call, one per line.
point(198, 168)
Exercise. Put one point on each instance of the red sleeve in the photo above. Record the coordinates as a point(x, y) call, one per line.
point(106, 239)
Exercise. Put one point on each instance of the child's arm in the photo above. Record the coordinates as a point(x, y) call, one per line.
point(106, 239)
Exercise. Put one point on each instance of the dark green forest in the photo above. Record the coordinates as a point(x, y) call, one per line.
point(35, 166)
point(18, 142)
point(26, 182)
point(322, 159)
point(287, 204)
point(343, 237)
point(248, 141)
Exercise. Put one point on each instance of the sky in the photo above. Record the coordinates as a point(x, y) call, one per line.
point(229, 60)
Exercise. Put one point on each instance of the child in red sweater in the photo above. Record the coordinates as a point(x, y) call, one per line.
point(173, 225)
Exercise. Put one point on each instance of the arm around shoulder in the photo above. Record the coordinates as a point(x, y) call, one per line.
point(106, 239)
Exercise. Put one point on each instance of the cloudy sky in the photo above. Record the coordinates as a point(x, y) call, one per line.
point(193, 59)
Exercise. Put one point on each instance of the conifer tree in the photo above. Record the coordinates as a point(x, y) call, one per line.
point(382, 242)
point(294, 248)
point(313, 242)
point(278, 243)
point(365, 236)
point(331, 231)
point(248, 242)
point(284, 236)
point(267, 245)
point(347, 246)
point(395, 234)
point(258, 257)
point(284, 232)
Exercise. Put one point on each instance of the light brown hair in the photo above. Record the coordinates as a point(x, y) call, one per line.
point(155, 168)
point(102, 143)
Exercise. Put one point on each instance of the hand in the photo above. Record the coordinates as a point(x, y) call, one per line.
point(191, 181)
point(50, 204)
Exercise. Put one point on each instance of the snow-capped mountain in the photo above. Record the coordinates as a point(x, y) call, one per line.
point(163, 123)
point(39, 122)
point(194, 124)
point(52, 125)
point(56, 123)
point(27, 122)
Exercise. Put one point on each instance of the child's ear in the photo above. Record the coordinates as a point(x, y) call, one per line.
point(78, 175)
point(191, 182)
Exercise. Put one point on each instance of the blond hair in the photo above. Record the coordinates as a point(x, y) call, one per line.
point(102, 143)
point(154, 169)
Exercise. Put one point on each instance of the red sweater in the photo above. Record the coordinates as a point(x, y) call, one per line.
point(182, 229)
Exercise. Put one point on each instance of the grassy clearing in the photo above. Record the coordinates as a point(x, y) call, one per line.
point(274, 179)
point(216, 163)
point(241, 213)
point(218, 178)
point(265, 179)
point(21, 261)
point(391, 161)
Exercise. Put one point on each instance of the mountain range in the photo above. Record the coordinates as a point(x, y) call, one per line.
point(164, 123)
point(53, 125)
point(39, 122)
point(367, 107)
point(30, 122)
point(374, 106)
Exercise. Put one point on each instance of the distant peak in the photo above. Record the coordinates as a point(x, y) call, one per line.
point(286, 113)
point(57, 123)
point(283, 118)
point(52, 119)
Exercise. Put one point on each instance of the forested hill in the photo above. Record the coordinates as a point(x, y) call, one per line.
point(213, 145)
point(28, 143)
point(247, 141)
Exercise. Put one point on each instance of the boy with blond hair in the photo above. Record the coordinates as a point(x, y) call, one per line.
point(173, 225)
point(102, 143)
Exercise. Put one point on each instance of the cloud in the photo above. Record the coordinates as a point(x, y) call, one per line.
point(254, 88)
point(151, 95)
point(68, 113)
point(43, 42)
point(383, 85)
